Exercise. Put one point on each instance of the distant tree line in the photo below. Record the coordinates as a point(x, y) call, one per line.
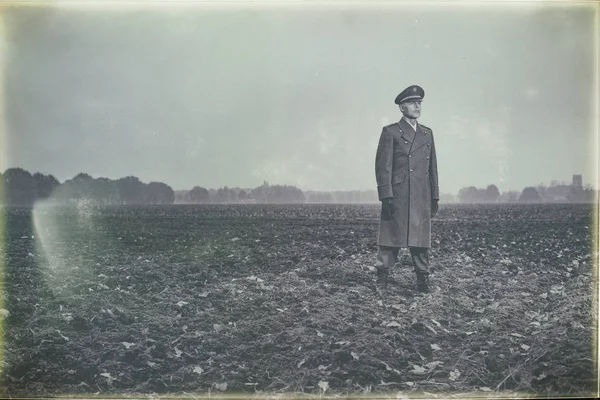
point(556, 193)
point(264, 194)
point(342, 196)
point(471, 194)
point(19, 187)
point(22, 188)
point(561, 192)
point(271, 194)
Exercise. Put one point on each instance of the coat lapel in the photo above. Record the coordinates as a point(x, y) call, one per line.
point(407, 131)
point(420, 138)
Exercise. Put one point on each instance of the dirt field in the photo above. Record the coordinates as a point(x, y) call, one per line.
point(256, 299)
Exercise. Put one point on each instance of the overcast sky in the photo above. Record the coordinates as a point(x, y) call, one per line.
point(215, 96)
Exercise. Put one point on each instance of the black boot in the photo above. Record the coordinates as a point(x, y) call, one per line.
point(423, 282)
point(382, 278)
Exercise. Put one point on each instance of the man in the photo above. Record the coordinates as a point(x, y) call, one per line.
point(407, 184)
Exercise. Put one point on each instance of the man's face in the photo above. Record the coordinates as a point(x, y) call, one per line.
point(411, 109)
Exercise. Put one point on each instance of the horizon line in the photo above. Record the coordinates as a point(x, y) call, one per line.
point(560, 183)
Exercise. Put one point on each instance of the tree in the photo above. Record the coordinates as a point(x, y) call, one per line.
point(83, 184)
point(105, 191)
point(182, 196)
point(492, 193)
point(77, 188)
point(199, 195)
point(469, 195)
point(131, 190)
point(225, 195)
point(285, 194)
point(509, 197)
point(277, 194)
point(232, 196)
point(19, 187)
point(44, 185)
point(530, 195)
point(159, 193)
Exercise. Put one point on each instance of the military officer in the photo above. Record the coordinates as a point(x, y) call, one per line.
point(407, 185)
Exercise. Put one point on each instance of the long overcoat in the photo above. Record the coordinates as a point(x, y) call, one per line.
point(406, 170)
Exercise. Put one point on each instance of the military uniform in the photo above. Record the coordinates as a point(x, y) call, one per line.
point(406, 173)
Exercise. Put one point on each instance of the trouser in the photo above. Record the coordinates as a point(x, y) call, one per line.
point(388, 256)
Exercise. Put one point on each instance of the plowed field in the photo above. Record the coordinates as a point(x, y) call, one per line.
point(259, 299)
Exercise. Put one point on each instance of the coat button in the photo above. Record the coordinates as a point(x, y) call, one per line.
point(428, 145)
point(410, 155)
point(428, 158)
point(411, 170)
point(405, 142)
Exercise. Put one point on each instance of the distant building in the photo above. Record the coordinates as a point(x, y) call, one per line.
point(553, 198)
point(558, 192)
point(577, 181)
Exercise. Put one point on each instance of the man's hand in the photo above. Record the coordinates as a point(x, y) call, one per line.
point(388, 206)
point(434, 207)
